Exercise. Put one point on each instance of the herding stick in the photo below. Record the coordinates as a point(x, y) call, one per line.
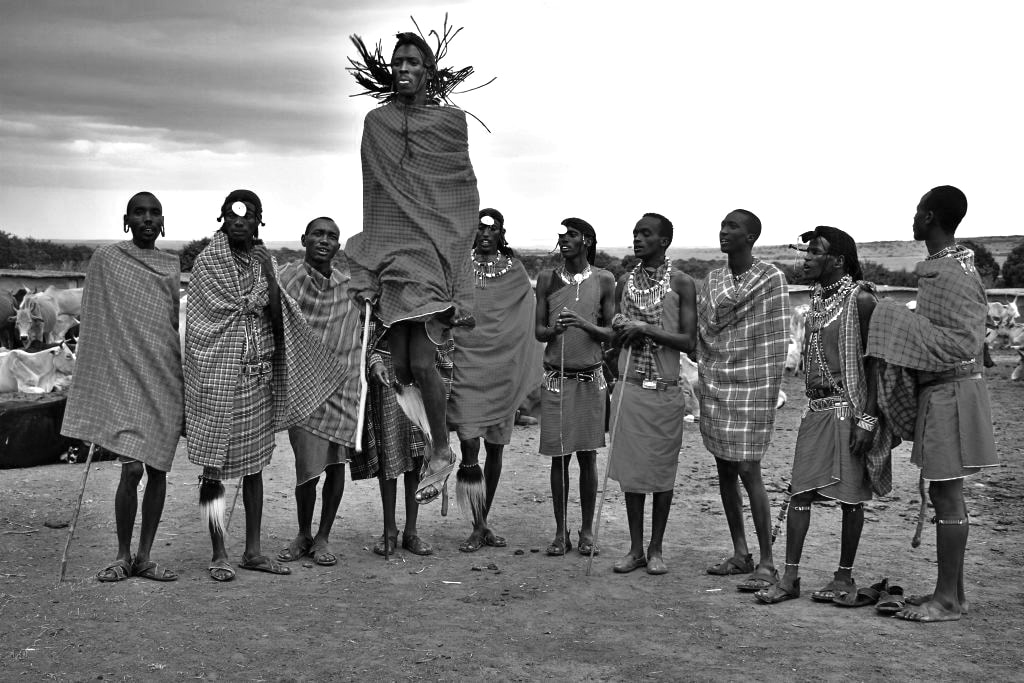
point(782, 513)
point(234, 502)
point(74, 519)
point(364, 383)
point(921, 512)
point(608, 462)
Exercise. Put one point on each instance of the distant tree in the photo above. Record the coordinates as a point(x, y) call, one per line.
point(696, 268)
point(880, 275)
point(188, 255)
point(986, 264)
point(794, 275)
point(1013, 267)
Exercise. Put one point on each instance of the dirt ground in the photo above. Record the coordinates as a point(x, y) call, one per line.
point(534, 617)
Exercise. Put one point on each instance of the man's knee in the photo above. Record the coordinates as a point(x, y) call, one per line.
point(422, 367)
point(749, 471)
point(851, 508)
point(131, 473)
point(156, 476)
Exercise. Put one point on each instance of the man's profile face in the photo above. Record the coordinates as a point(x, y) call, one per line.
point(408, 70)
point(920, 219)
point(817, 261)
point(733, 236)
point(322, 242)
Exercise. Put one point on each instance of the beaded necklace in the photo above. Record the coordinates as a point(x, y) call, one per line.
point(487, 270)
point(963, 256)
point(647, 290)
point(575, 278)
point(824, 311)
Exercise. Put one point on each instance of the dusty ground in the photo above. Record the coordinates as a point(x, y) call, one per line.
point(534, 617)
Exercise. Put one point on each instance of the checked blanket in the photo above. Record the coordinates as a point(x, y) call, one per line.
point(946, 332)
point(420, 213)
point(304, 372)
point(743, 328)
point(333, 315)
point(127, 392)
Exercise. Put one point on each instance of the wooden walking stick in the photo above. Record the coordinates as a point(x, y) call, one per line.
point(364, 390)
point(234, 502)
point(74, 519)
point(782, 513)
point(562, 465)
point(364, 384)
point(608, 462)
point(921, 512)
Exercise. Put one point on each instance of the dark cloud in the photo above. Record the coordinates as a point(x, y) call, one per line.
point(208, 74)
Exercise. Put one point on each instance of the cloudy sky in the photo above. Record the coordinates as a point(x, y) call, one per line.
point(806, 113)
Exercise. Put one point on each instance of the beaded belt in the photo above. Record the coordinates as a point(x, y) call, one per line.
point(261, 368)
point(651, 384)
point(837, 403)
point(553, 378)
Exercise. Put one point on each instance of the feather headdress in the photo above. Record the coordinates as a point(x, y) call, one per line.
point(373, 72)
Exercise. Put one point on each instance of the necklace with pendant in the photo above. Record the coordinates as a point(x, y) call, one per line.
point(575, 278)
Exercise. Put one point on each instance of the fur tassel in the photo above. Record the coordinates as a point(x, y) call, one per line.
point(410, 400)
point(212, 505)
point(469, 490)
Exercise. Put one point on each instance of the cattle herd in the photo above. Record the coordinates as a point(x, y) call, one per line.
point(39, 336)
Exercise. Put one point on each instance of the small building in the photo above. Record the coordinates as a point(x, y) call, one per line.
point(12, 280)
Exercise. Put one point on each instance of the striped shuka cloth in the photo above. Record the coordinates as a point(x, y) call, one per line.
point(304, 373)
point(127, 394)
point(331, 313)
point(743, 329)
point(390, 437)
point(420, 213)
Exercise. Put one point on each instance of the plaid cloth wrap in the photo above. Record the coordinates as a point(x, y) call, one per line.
point(304, 373)
point(945, 332)
point(420, 213)
point(390, 437)
point(743, 338)
point(499, 361)
point(127, 394)
point(851, 364)
point(331, 313)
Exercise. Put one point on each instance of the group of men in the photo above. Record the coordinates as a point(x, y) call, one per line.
point(448, 310)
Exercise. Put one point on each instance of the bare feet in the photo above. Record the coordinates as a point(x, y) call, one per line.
point(930, 611)
point(917, 600)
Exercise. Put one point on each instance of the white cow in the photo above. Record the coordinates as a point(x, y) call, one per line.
point(797, 331)
point(1018, 371)
point(688, 380)
point(69, 301)
point(36, 373)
